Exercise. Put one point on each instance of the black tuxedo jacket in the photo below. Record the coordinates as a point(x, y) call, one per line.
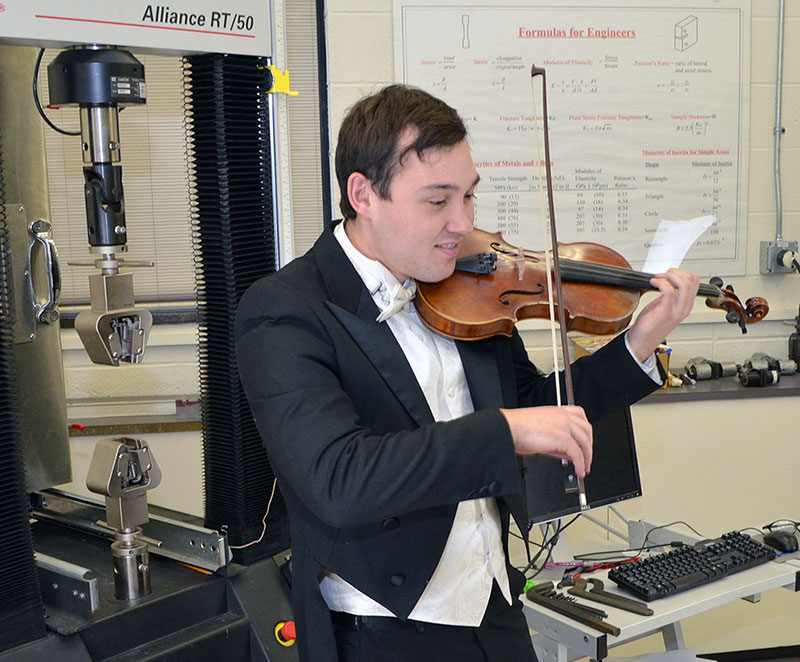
point(371, 481)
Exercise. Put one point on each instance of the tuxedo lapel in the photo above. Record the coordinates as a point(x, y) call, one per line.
point(483, 377)
point(353, 306)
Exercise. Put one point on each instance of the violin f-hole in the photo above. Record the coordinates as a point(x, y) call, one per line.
point(504, 297)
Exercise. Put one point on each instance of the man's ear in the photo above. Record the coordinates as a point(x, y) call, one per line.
point(359, 193)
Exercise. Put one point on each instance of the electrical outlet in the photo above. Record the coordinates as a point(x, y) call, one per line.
point(776, 256)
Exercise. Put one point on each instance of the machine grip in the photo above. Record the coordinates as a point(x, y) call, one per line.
point(47, 312)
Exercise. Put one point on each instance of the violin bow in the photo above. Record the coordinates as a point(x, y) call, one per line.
point(572, 481)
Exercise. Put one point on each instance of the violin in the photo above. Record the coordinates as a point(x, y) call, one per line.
point(496, 285)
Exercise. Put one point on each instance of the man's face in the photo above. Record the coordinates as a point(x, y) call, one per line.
point(417, 231)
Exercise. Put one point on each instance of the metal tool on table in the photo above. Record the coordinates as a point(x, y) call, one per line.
point(545, 594)
point(592, 589)
point(764, 370)
point(700, 369)
point(549, 591)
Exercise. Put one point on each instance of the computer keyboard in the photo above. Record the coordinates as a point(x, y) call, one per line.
point(685, 567)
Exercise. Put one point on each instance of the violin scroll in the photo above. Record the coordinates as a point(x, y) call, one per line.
point(754, 309)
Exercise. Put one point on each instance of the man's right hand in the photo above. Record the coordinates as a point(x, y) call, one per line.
point(561, 432)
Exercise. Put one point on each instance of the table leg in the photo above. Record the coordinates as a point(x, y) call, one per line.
point(673, 636)
point(549, 650)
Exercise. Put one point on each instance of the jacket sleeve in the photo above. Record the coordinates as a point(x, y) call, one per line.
point(605, 382)
point(293, 358)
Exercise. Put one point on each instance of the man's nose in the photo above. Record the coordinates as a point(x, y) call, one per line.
point(463, 220)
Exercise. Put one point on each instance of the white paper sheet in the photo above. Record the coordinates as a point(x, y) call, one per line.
point(672, 241)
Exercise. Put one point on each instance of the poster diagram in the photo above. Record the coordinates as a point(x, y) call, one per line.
point(648, 115)
point(686, 33)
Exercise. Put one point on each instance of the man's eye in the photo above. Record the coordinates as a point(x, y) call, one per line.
point(471, 196)
point(438, 203)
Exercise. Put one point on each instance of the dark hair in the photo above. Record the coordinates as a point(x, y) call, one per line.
point(370, 133)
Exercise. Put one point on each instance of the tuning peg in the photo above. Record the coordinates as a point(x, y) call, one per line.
point(735, 318)
point(716, 281)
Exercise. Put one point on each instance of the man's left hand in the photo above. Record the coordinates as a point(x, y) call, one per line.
point(658, 318)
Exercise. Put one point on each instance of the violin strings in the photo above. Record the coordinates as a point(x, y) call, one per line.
point(606, 274)
point(592, 272)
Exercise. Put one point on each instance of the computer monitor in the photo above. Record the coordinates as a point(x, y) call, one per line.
point(614, 475)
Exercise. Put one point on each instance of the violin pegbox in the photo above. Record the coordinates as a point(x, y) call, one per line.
point(754, 309)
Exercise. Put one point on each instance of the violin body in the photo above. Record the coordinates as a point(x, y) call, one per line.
point(599, 291)
point(475, 306)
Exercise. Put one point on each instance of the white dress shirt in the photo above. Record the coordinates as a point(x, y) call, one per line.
point(458, 591)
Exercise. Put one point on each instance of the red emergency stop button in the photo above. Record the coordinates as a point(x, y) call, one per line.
point(285, 633)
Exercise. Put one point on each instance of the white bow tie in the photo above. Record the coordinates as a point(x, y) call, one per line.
point(397, 300)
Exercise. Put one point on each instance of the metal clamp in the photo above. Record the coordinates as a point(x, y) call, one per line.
point(122, 470)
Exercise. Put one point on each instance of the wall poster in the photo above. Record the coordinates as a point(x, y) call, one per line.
point(647, 105)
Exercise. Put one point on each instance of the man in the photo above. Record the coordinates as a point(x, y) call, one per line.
point(397, 449)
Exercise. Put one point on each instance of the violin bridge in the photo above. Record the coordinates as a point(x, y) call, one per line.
point(520, 263)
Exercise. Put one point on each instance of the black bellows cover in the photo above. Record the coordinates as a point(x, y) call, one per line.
point(228, 133)
point(21, 609)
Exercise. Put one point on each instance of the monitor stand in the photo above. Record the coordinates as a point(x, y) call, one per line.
point(638, 530)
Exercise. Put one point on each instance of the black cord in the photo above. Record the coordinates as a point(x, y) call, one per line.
point(39, 105)
point(521, 537)
point(593, 555)
point(544, 563)
point(616, 554)
point(543, 546)
point(664, 526)
point(751, 528)
point(511, 532)
point(547, 545)
point(561, 529)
